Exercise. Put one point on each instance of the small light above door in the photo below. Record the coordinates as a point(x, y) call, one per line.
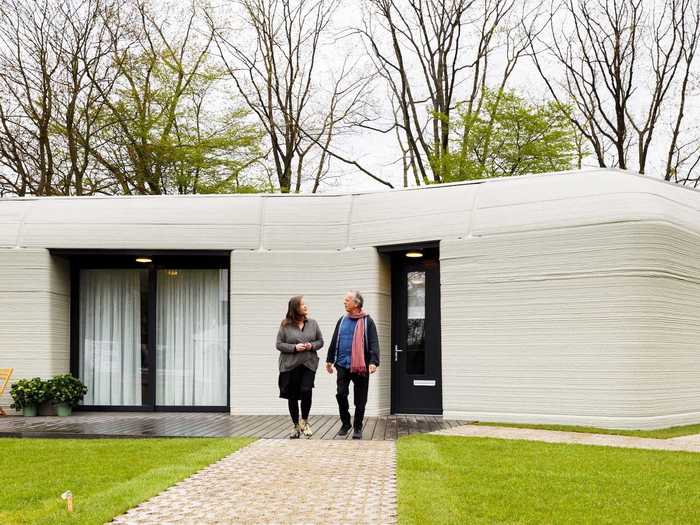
point(143, 260)
point(414, 254)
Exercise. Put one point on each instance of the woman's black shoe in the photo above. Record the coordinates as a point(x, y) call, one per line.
point(344, 430)
point(357, 434)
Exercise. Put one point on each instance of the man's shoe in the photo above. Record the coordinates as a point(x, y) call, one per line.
point(357, 434)
point(344, 430)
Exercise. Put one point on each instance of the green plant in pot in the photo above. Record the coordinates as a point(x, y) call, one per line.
point(66, 392)
point(28, 394)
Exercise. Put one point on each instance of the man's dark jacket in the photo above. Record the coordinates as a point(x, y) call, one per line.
point(371, 343)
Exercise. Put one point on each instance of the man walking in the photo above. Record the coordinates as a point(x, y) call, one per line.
point(354, 352)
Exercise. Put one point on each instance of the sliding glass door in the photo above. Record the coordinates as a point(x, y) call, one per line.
point(113, 337)
point(191, 335)
point(154, 336)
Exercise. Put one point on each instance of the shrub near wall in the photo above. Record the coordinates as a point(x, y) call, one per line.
point(28, 394)
point(64, 391)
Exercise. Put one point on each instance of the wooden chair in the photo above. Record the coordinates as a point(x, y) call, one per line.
point(5, 375)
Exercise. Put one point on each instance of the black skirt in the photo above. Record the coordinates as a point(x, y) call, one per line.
point(293, 382)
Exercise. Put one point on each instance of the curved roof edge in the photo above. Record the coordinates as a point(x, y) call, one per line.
point(334, 193)
point(346, 220)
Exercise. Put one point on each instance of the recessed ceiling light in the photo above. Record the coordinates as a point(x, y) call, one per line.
point(143, 260)
point(414, 254)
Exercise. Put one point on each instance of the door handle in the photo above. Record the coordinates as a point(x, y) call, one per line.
point(397, 350)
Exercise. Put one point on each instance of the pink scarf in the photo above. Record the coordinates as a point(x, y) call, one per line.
point(357, 356)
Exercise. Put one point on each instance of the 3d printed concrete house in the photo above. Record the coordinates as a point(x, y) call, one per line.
point(568, 298)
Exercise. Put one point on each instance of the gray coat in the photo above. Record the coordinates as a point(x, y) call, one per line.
point(287, 338)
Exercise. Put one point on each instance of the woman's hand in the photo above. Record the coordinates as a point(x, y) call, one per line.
point(300, 347)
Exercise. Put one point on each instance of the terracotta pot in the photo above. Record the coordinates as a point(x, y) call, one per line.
point(47, 409)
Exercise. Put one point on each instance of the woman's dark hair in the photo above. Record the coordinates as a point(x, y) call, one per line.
point(293, 313)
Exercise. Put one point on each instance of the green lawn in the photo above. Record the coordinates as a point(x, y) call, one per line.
point(464, 480)
point(106, 476)
point(661, 433)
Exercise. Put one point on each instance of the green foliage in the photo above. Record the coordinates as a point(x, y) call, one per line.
point(59, 389)
point(510, 136)
point(460, 480)
point(172, 129)
point(28, 392)
point(65, 389)
point(106, 476)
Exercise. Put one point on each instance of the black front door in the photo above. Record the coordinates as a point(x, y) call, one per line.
point(415, 348)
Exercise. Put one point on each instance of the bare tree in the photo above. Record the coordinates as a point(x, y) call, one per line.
point(685, 163)
point(54, 55)
point(97, 96)
point(155, 70)
point(428, 52)
point(685, 155)
point(607, 52)
point(157, 134)
point(301, 107)
point(28, 69)
point(84, 58)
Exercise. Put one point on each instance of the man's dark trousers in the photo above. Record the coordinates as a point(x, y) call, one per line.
point(360, 385)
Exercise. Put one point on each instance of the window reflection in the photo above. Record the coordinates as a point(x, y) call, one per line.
point(415, 336)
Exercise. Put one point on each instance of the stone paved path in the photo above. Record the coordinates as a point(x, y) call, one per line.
point(684, 443)
point(283, 481)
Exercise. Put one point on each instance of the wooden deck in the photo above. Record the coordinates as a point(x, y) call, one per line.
point(161, 424)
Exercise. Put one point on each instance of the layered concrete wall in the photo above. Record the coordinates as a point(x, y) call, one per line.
point(262, 283)
point(237, 222)
point(592, 326)
point(35, 304)
point(568, 298)
point(329, 222)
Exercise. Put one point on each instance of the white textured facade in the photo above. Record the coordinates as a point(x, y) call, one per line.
point(261, 285)
point(567, 298)
point(34, 306)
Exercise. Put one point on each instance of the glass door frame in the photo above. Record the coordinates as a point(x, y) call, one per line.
point(161, 259)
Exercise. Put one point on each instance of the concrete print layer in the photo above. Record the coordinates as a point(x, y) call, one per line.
point(588, 326)
point(568, 298)
point(261, 285)
point(34, 314)
point(230, 222)
point(166, 222)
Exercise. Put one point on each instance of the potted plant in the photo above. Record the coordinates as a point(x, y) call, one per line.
point(28, 394)
point(65, 391)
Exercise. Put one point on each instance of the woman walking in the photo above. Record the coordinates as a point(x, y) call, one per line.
point(298, 340)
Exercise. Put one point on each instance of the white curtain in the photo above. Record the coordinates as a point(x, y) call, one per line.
point(110, 336)
point(191, 335)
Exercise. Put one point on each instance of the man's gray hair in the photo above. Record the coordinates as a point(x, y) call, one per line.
point(357, 298)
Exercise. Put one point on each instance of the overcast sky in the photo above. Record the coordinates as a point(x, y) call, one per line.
point(378, 152)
